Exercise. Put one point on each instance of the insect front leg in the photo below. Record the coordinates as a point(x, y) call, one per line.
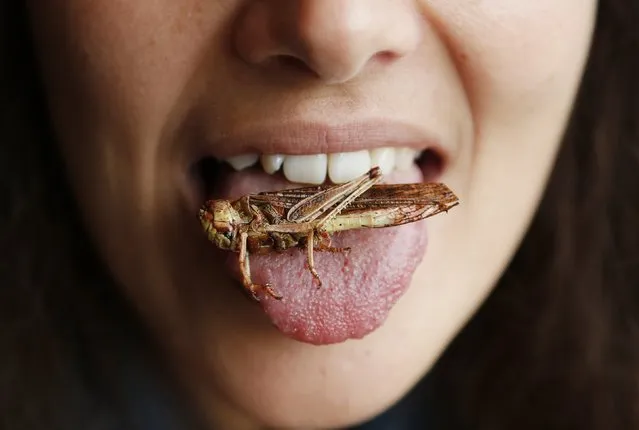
point(245, 270)
point(247, 208)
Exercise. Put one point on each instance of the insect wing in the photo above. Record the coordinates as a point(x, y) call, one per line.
point(286, 199)
point(333, 200)
point(309, 203)
point(404, 195)
point(384, 196)
point(393, 205)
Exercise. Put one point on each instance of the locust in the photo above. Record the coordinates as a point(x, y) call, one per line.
point(306, 218)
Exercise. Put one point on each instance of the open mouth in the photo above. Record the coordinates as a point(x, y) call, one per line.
point(358, 288)
point(315, 169)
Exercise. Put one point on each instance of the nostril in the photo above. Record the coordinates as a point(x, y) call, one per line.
point(385, 57)
point(293, 64)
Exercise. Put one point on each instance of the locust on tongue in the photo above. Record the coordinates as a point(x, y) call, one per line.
point(364, 270)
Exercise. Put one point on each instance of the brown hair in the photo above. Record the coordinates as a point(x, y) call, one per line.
point(62, 327)
point(555, 346)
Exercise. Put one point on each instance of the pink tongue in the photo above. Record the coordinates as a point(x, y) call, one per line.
point(358, 289)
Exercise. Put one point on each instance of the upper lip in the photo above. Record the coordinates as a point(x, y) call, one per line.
point(301, 137)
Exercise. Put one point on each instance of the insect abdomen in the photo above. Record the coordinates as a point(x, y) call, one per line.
point(370, 219)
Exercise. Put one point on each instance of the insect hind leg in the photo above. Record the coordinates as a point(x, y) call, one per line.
point(310, 245)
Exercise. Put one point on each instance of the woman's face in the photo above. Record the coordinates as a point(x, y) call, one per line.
point(142, 92)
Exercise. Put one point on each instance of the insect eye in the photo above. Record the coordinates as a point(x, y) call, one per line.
point(228, 235)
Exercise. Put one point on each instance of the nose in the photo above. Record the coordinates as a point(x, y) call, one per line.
point(336, 40)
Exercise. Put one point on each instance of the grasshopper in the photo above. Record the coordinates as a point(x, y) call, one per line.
point(306, 217)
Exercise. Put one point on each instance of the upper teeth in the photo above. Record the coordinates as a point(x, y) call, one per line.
point(340, 167)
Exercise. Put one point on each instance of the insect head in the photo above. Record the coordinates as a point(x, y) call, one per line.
point(219, 220)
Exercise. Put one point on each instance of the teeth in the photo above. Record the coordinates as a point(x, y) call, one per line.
point(404, 158)
point(340, 167)
point(272, 163)
point(241, 162)
point(384, 158)
point(306, 169)
point(344, 166)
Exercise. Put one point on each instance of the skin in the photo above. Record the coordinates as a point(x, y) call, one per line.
point(495, 79)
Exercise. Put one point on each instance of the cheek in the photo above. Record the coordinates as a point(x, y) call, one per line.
point(520, 62)
point(132, 64)
point(517, 55)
